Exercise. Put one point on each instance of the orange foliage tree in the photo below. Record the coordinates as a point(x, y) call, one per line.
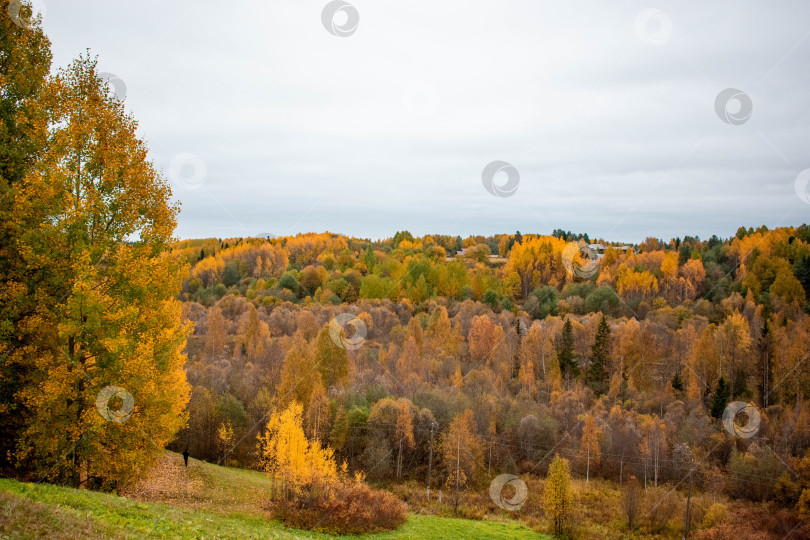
point(535, 261)
point(106, 385)
point(294, 462)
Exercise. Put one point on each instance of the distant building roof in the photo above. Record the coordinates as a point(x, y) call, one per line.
point(602, 247)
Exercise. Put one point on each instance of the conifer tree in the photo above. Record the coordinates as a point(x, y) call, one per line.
point(765, 370)
point(720, 399)
point(598, 374)
point(565, 352)
point(369, 259)
point(677, 381)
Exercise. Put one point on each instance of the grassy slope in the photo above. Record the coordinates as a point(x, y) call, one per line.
point(205, 501)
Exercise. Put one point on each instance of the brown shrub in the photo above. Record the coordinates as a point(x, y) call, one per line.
point(757, 522)
point(699, 506)
point(727, 531)
point(631, 501)
point(661, 505)
point(353, 508)
point(779, 522)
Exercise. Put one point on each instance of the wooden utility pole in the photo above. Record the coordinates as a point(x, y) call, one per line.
point(430, 462)
point(689, 502)
point(399, 459)
point(458, 467)
point(490, 457)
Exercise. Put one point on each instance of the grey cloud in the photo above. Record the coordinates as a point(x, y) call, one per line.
point(302, 131)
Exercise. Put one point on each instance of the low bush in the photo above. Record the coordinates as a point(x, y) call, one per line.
point(755, 522)
point(717, 514)
point(353, 508)
point(661, 504)
point(698, 509)
point(728, 531)
point(778, 522)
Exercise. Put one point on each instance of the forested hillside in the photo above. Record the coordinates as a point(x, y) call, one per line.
point(622, 361)
point(531, 384)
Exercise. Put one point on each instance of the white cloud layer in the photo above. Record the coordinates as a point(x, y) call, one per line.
point(611, 122)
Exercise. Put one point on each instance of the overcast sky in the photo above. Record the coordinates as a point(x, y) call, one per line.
point(267, 122)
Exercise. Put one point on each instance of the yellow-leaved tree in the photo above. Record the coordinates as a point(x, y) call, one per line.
point(25, 293)
point(404, 430)
point(105, 388)
point(558, 500)
point(299, 376)
point(589, 445)
point(296, 464)
point(535, 261)
point(225, 440)
point(461, 451)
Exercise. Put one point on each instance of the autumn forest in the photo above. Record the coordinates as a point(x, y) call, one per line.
point(556, 383)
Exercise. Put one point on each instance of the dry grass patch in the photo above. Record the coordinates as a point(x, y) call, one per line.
point(202, 486)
